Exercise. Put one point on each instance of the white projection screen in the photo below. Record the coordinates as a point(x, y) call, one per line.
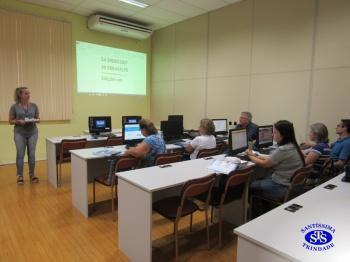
point(107, 70)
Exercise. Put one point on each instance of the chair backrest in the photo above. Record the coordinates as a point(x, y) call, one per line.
point(236, 178)
point(298, 179)
point(163, 159)
point(114, 141)
point(125, 163)
point(195, 187)
point(121, 163)
point(207, 152)
point(300, 175)
point(221, 146)
point(70, 144)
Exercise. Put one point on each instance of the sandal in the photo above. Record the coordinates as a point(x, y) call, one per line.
point(34, 179)
point(20, 180)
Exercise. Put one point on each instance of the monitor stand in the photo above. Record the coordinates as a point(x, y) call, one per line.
point(346, 178)
point(95, 135)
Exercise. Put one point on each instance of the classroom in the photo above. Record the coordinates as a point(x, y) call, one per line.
point(190, 130)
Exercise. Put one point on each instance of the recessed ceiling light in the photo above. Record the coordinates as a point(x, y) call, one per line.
point(136, 3)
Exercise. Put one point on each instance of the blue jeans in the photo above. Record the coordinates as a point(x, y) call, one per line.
point(23, 142)
point(265, 188)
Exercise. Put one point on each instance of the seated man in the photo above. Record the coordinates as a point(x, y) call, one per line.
point(245, 121)
point(341, 148)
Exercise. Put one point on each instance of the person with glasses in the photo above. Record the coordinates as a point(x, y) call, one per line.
point(341, 148)
point(245, 121)
point(24, 115)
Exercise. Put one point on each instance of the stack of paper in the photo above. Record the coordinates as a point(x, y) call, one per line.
point(223, 166)
point(107, 152)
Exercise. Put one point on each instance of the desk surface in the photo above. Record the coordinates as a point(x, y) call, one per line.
point(280, 230)
point(117, 131)
point(156, 178)
point(58, 139)
point(90, 153)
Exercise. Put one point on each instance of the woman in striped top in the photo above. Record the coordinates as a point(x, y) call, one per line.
point(321, 150)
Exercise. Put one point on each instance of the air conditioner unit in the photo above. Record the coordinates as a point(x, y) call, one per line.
point(116, 26)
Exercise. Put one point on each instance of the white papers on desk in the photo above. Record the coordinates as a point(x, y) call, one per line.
point(106, 152)
point(223, 166)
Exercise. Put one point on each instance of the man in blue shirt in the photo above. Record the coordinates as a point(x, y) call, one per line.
point(245, 121)
point(341, 148)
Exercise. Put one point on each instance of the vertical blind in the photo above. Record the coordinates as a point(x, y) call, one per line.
point(36, 52)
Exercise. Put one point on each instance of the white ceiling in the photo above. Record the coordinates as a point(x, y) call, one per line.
point(158, 14)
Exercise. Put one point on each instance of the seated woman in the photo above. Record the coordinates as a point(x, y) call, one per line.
point(321, 150)
point(205, 140)
point(151, 146)
point(284, 161)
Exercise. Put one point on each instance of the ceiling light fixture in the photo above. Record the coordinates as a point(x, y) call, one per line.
point(135, 3)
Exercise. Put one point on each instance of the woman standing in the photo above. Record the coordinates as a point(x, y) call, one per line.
point(24, 115)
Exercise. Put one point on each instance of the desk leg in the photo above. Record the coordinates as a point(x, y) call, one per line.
point(51, 163)
point(249, 251)
point(80, 185)
point(134, 222)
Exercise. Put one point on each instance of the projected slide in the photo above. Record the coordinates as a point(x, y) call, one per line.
point(107, 70)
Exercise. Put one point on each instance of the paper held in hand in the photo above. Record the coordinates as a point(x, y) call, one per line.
point(28, 120)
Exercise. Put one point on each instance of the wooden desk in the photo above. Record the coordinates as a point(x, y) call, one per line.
point(277, 236)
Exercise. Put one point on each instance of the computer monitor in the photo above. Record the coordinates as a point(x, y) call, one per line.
point(171, 130)
point(220, 126)
point(132, 134)
point(177, 118)
point(131, 119)
point(100, 124)
point(265, 136)
point(238, 140)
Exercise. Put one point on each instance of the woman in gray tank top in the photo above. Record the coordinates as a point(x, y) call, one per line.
point(24, 116)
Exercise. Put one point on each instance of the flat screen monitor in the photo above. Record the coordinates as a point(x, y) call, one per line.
point(171, 130)
point(220, 126)
point(132, 134)
point(177, 118)
point(265, 136)
point(100, 124)
point(238, 140)
point(131, 119)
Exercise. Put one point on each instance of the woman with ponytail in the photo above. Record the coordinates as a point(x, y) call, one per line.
point(24, 115)
point(284, 161)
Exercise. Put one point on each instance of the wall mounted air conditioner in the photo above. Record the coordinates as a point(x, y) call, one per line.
point(116, 26)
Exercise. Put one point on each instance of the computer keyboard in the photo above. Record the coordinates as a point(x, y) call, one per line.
point(243, 157)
